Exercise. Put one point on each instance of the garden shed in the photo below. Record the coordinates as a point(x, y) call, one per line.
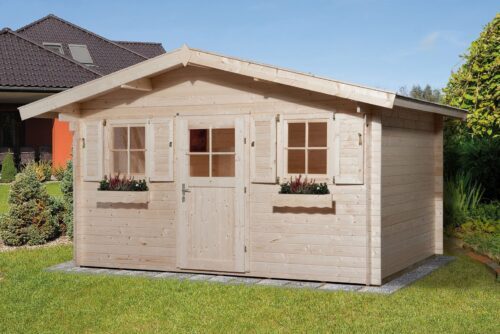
point(215, 136)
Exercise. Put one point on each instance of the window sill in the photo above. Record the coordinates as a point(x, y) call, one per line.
point(303, 201)
point(127, 197)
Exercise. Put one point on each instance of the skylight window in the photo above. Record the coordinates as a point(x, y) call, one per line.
point(80, 53)
point(56, 47)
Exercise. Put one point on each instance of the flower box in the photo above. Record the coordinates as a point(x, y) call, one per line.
point(303, 200)
point(109, 196)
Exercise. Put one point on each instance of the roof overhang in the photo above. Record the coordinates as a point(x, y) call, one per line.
point(187, 56)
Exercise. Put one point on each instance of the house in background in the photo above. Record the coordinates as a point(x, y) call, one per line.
point(45, 57)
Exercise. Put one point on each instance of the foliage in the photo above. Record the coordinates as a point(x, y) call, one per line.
point(42, 169)
point(461, 196)
point(487, 210)
point(480, 157)
point(475, 86)
point(115, 183)
point(427, 93)
point(29, 219)
point(484, 243)
point(299, 186)
point(9, 170)
point(67, 191)
point(58, 172)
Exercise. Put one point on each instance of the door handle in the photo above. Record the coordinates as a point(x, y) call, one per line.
point(184, 191)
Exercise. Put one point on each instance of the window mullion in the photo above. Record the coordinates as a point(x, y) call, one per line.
point(128, 151)
point(306, 146)
point(210, 152)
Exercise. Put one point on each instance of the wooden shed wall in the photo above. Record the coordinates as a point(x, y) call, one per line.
point(411, 188)
point(316, 246)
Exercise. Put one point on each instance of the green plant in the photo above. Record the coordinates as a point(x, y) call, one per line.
point(29, 218)
point(299, 186)
point(474, 86)
point(67, 191)
point(461, 196)
point(58, 172)
point(9, 170)
point(115, 183)
point(42, 169)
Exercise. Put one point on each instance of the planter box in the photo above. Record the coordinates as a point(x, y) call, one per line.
point(303, 201)
point(105, 196)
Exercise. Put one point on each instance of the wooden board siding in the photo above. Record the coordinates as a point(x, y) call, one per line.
point(408, 188)
point(329, 246)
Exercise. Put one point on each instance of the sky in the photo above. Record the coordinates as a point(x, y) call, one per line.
point(385, 44)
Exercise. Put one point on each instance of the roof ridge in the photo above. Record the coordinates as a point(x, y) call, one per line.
point(80, 28)
point(52, 52)
point(138, 42)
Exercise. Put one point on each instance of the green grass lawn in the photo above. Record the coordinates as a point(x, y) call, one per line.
point(53, 189)
point(462, 297)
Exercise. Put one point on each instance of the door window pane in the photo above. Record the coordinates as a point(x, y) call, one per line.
point(317, 135)
point(198, 140)
point(120, 138)
point(120, 164)
point(296, 161)
point(223, 165)
point(296, 134)
point(316, 163)
point(199, 165)
point(137, 137)
point(222, 140)
point(137, 162)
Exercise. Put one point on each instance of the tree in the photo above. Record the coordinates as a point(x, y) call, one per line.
point(475, 86)
point(9, 170)
point(427, 93)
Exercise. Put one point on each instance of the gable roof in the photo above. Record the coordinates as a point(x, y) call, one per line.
point(186, 56)
point(107, 55)
point(147, 49)
point(27, 64)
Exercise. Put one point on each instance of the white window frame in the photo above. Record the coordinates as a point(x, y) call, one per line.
point(73, 50)
point(58, 45)
point(283, 146)
point(109, 145)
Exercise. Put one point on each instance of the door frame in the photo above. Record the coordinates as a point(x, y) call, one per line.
point(241, 203)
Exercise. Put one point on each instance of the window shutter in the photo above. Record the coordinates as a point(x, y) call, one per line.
point(349, 148)
point(161, 149)
point(263, 148)
point(92, 147)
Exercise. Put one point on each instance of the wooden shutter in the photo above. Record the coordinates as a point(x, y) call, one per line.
point(349, 148)
point(263, 148)
point(161, 149)
point(92, 147)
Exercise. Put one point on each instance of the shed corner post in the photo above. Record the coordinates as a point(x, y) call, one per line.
point(438, 184)
point(374, 189)
point(76, 132)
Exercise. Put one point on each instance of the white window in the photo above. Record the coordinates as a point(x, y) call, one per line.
point(128, 150)
point(307, 148)
point(80, 53)
point(56, 47)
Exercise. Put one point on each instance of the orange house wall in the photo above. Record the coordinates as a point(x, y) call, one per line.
point(61, 143)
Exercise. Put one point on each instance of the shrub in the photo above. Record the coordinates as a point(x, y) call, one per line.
point(67, 191)
point(461, 196)
point(115, 183)
point(42, 170)
point(29, 218)
point(480, 157)
point(9, 170)
point(58, 172)
point(299, 186)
